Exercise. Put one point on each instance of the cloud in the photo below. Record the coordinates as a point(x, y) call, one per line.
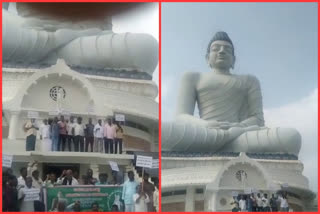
point(303, 116)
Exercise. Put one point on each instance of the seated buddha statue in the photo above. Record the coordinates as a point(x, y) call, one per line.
point(79, 33)
point(230, 108)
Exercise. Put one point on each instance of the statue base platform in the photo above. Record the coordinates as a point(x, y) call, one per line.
point(191, 182)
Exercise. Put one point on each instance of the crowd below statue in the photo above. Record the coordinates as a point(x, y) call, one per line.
point(64, 134)
point(136, 197)
point(260, 203)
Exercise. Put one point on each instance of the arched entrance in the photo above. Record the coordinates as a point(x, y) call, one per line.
point(239, 176)
point(56, 89)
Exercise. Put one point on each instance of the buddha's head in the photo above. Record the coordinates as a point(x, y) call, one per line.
point(220, 52)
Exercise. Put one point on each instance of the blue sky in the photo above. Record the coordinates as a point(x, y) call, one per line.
point(276, 42)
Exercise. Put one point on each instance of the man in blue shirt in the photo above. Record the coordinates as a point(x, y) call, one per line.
point(129, 189)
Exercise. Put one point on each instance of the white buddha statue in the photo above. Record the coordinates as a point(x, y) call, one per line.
point(79, 33)
point(230, 107)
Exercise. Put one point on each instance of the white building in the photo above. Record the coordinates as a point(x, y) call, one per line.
point(209, 183)
point(89, 92)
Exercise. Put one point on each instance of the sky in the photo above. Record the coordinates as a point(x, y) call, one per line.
point(142, 20)
point(276, 42)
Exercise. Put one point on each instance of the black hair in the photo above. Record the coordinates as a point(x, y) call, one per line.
point(23, 168)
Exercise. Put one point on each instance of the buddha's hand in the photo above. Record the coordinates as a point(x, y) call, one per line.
point(213, 124)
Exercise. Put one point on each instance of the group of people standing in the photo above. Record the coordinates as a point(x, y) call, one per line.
point(56, 134)
point(143, 197)
point(261, 203)
point(136, 197)
point(15, 190)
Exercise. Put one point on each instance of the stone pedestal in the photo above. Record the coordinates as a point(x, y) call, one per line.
point(213, 180)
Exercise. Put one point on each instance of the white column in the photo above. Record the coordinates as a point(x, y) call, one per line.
point(211, 205)
point(189, 202)
point(13, 125)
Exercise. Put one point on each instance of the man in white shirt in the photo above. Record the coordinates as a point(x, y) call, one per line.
point(141, 199)
point(98, 137)
point(284, 207)
point(265, 203)
point(259, 203)
point(36, 180)
point(79, 135)
point(156, 197)
point(27, 203)
point(242, 204)
point(67, 178)
point(46, 143)
point(22, 178)
point(70, 129)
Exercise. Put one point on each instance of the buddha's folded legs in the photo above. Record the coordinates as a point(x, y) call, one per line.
point(89, 48)
point(267, 140)
point(111, 50)
point(180, 136)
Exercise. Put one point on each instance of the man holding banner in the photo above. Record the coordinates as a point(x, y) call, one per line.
point(148, 188)
point(27, 196)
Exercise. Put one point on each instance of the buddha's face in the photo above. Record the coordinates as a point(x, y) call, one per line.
point(221, 55)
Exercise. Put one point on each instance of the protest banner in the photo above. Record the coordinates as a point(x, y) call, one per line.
point(53, 113)
point(31, 194)
point(144, 161)
point(65, 113)
point(105, 196)
point(234, 193)
point(120, 117)
point(114, 166)
point(155, 163)
point(7, 160)
point(247, 191)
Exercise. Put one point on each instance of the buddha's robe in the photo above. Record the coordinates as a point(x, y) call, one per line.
point(227, 98)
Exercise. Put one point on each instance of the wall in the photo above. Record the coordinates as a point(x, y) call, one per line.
point(173, 207)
